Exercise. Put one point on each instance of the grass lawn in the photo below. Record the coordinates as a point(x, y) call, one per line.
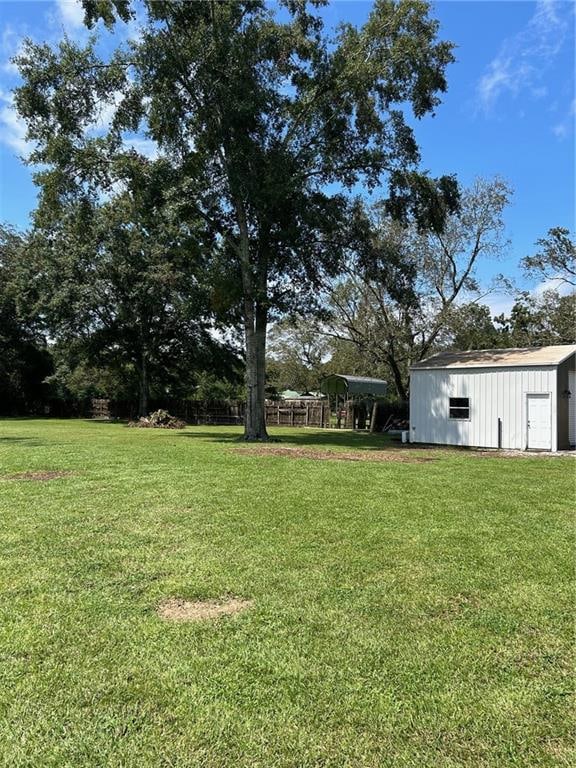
point(404, 614)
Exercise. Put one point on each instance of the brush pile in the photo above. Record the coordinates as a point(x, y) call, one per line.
point(159, 419)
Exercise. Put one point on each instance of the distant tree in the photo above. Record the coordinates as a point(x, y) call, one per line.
point(25, 359)
point(79, 375)
point(346, 357)
point(118, 285)
point(471, 326)
point(267, 119)
point(556, 258)
point(540, 320)
point(297, 353)
point(403, 284)
point(212, 387)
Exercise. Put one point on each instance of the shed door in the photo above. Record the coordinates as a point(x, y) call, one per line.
point(539, 422)
point(572, 407)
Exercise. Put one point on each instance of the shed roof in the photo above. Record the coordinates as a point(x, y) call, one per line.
point(343, 383)
point(499, 358)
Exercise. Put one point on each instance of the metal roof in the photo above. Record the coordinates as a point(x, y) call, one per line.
point(343, 384)
point(289, 394)
point(499, 358)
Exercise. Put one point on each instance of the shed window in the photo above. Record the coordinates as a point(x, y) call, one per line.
point(459, 407)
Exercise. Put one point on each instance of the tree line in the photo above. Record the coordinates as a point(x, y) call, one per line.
point(371, 328)
point(162, 272)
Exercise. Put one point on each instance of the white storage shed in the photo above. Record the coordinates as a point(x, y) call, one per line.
point(521, 399)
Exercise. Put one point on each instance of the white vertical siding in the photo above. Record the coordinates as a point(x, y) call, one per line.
point(495, 393)
point(572, 408)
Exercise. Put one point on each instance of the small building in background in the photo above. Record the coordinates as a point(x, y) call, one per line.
point(355, 399)
point(292, 394)
point(517, 399)
point(349, 386)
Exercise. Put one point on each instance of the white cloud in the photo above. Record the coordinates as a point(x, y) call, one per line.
point(8, 40)
point(71, 14)
point(540, 92)
point(560, 130)
point(146, 147)
point(12, 126)
point(502, 303)
point(499, 303)
point(563, 128)
point(524, 57)
point(553, 284)
point(11, 44)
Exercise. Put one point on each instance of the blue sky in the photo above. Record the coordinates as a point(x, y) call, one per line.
point(509, 109)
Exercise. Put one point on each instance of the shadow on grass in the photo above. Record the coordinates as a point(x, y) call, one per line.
point(338, 438)
point(106, 422)
point(30, 441)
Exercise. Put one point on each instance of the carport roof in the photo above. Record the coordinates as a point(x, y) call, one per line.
point(499, 358)
point(342, 383)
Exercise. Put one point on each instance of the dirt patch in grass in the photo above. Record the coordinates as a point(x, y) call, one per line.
point(176, 609)
point(323, 455)
point(40, 476)
point(455, 605)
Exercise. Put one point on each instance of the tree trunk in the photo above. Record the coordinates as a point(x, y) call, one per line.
point(255, 289)
point(255, 322)
point(401, 388)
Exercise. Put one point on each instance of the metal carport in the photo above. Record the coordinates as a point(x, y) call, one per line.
point(360, 391)
point(344, 384)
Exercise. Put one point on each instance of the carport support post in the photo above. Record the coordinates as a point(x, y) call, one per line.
point(373, 416)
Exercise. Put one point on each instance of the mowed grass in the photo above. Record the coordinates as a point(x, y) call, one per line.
point(404, 614)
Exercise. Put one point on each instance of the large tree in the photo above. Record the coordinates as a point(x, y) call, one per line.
point(116, 281)
point(538, 320)
point(267, 118)
point(398, 298)
point(25, 359)
point(471, 326)
point(555, 259)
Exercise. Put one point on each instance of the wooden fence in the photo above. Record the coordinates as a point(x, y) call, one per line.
point(298, 413)
point(288, 413)
point(191, 411)
point(101, 408)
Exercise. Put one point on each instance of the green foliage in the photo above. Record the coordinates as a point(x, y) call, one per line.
point(25, 361)
point(540, 320)
point(297, 355)
point(107, 11)
point(210, 387)
point(77, 377)
point(471, 326)
point(120, 288)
